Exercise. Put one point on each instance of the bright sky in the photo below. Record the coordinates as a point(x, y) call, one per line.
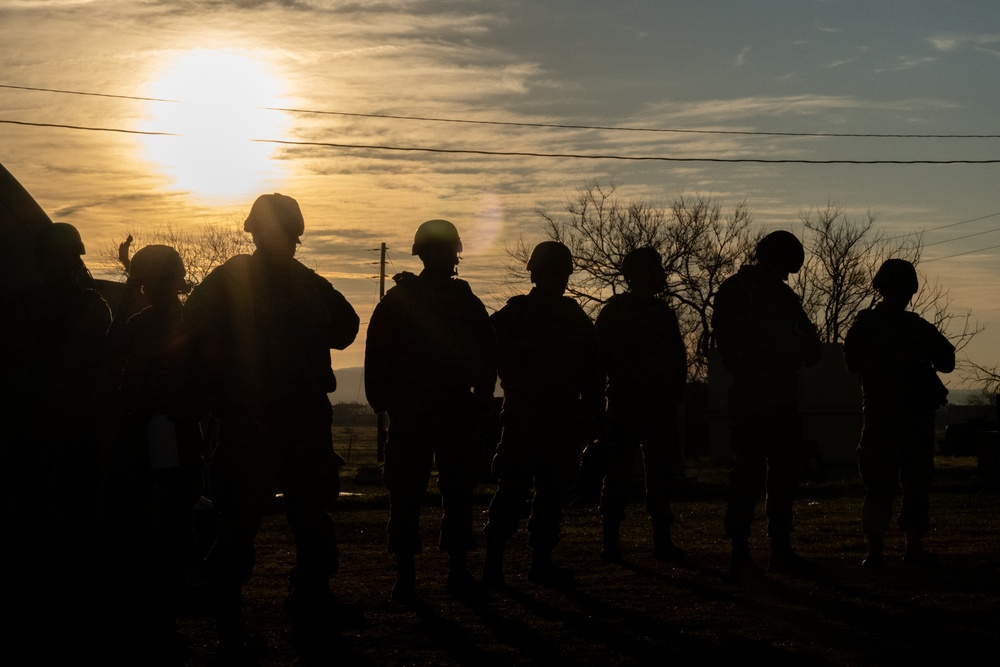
point(786, 66)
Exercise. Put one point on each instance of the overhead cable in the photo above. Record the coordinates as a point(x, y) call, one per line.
point(567, 126)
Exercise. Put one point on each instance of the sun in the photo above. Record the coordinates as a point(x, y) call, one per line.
point(218, 109)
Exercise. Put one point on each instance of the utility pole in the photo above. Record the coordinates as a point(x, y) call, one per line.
point(381, 434)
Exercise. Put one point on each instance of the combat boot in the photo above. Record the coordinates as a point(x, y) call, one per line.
point(404, 591)
point(311, 600)
point(611, 541)
point(742, 568)
point(916, 554)
point(664, 548)
point(546, 573)
point(231, 625)
point(461, 584)
point(785, 561)
point(493, 576)
point(875, 558)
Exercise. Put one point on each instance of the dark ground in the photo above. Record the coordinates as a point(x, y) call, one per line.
point(647, 612)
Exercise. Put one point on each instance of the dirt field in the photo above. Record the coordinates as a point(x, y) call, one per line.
point(647, 612)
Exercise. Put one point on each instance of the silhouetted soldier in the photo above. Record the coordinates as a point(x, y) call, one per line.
point(897, 355)
point(263, 326)
point(54, 456)
point(430, 364)
point(14, 346)
point(765, 338)
point(158, 476)
point(553, 400)
point(67, 321)
point(643, 356)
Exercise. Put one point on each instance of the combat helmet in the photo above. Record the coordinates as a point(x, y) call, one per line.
point(276, 209)
point(59, 238)
point(639, 260)
point(157, 264)
point(896, 276)
point(436, 233)
point(551, 256)
point(781, 249)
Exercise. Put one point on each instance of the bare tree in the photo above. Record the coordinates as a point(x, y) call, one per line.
point(202, 251)
point(842, 256)
point(843, 253)
point(700, 241)
point(709, 244)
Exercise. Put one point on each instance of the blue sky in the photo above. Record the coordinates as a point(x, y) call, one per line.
point(857, 67)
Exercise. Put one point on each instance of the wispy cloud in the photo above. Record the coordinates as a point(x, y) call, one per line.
point(906, 62)
point(742, 57)
point(991, 52)
point(950, 42)
point(707, 112)
point(861, 51)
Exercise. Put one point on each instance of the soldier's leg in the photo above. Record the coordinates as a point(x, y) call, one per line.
point(660, 452)
point(311, 484)
point(623, 444)
point(458, 474)
point(556, 468)
point(746, 485)
point(407, 470)
point(458, 458)
point(243, 476)
point(878, 465)
point(915, 474)
point(782, 479)
point(784, 436)
point(557, 464)
point(747, 478)
point(511, 468)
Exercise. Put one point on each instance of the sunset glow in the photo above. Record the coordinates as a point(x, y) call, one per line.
point(218, 109)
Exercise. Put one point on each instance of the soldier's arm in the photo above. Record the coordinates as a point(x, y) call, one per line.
point(811, 346)
point(853, 347)
point(377, 368)
point(678, 353)
point(606, 330)
point(487, 376)
point(344, 321)
point(379, 379)
point(942, 351)
point(728, 324)
point(593, 374)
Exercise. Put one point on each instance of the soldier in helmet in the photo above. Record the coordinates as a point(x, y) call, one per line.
point(262, 328)
point(553, 403)
point(158, 476)
point(645, 361)
point(897, 355)
point(54, 456)
point(430, 364)
point(66, 321)
point(765, 338)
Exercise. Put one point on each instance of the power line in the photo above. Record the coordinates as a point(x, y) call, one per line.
point(88, 94)
point(963, 222)
point(959, 254)
point(571, 156)
point(934, 229)
point(89, 129)
point(566, 126)
point(959, 238)
point(619, 128)
point(638, 158)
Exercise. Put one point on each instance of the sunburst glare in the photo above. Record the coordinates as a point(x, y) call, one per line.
point(219, 110)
